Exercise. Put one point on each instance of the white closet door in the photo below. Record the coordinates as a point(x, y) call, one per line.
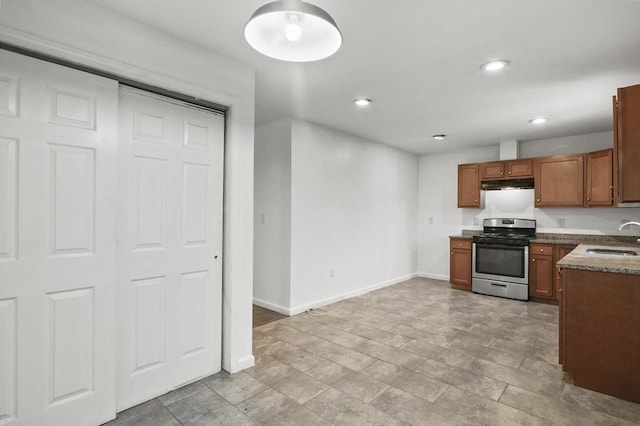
point(170, 244)
point(57, 244)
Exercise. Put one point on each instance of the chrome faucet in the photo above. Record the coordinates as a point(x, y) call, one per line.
point(627, 224)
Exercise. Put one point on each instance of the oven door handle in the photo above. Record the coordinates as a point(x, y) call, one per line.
point(501, 246)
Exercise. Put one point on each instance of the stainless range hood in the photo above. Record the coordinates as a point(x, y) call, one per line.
point(495, 185)
point(508, 151)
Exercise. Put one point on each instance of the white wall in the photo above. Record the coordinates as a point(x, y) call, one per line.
point(272, 216)
point(351, 220)
point(567, 145)
point(81, 32)
point(438, 215)
point(354, 211)
point(438, 200)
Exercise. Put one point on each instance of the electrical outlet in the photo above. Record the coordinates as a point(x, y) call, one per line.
point(261, 217)
point(332, 273)
point(560, 222)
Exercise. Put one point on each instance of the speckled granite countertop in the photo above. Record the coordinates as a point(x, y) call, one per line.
point(466, 233)
point(548, 238)
point(617, 264)
point(545, 238)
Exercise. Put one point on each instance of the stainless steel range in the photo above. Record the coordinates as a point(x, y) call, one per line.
point(501, 258)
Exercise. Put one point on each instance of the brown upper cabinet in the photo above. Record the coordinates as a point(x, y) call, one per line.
point(576, 180)
point(506, 169)
point(469, 185)
point(599, 179)
point(626, 142)
point(559, 181)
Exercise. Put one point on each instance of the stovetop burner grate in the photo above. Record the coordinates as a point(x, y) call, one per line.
point(507, 231)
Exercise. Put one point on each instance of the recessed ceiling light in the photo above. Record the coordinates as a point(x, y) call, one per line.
point(439, 137)
point(538, 120)
point(495, 65)
point(362, 101)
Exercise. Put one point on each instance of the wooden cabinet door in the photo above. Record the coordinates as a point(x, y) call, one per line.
point(519, 168)
point(559, 181)
point(468, 185)
point(541, 267)
point(541, 276)
point(561, 318)
point(460, 269)
point(599, 183)
point(627, 143)
point(493, 170)
point(560, 251)
point(460, 263)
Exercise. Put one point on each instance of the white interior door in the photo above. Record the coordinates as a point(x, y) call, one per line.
point(170, 240)
point(57, 244)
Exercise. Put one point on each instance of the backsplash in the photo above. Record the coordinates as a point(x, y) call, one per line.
point(567, 220)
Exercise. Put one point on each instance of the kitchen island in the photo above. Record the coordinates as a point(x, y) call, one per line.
point(600, 318)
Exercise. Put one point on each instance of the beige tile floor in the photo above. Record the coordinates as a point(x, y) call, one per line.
point(413, 353)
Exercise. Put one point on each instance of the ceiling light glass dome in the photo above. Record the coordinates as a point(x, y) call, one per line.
point(293, 31)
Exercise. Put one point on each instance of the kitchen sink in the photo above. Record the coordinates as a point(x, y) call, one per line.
point(618, 252)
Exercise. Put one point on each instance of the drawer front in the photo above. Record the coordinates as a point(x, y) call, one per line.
point(545, 249)
point(460, 243)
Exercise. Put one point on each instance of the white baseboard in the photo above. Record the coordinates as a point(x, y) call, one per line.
point(272, 307)
point(302, 308)
point(315, 304)
point(433, 276)
point(242, 363)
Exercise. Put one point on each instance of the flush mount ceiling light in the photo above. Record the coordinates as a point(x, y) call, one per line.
point(495, 65)
point(293, 31)
point(439, 137)
point(362, 102)
point(538, 120)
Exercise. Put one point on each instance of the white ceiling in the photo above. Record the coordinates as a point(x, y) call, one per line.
point(419, 60)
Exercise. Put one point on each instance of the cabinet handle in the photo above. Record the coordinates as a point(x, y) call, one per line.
point(509, 172)
point(451, 252)
point(541, 250)
point(588, 199)
point(475, 201)
point(533, 260)
point(460, 245)
point(538, 200)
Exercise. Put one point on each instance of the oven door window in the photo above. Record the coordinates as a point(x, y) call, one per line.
point(494, 259)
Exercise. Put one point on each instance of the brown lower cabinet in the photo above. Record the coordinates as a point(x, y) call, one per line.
point(599, 338)
point(543, 279)
point(559, 251)
point(541, 272)
point(460, 263)
point(543, 276)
